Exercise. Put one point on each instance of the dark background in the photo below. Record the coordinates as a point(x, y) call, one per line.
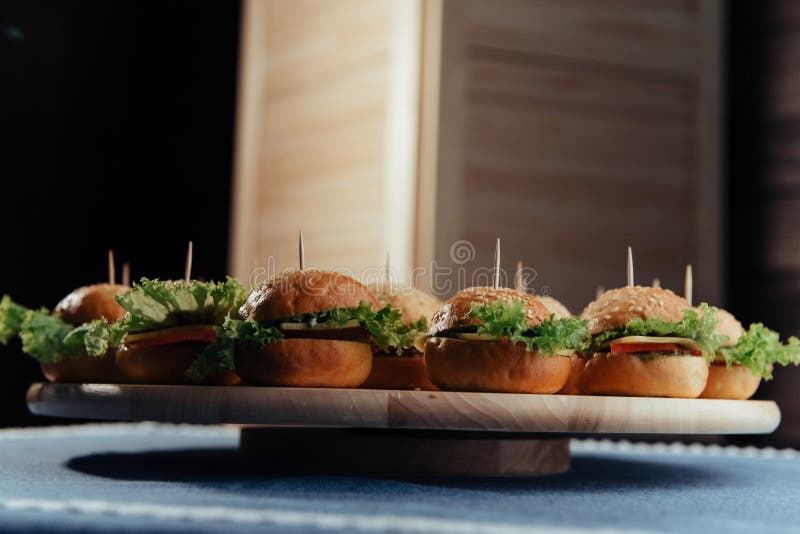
point(116, 131)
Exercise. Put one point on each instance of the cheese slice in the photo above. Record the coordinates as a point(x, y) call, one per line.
point(352, 323)
point(680, 341)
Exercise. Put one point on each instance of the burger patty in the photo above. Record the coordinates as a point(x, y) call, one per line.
point(337, 334)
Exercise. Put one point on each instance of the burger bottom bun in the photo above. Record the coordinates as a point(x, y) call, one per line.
point(725, 382)
point(299, 362)
point(166, 364)
point(572, 387)
point(398, 372)
point(626, 374)
point(455, 364)
point(84, 368)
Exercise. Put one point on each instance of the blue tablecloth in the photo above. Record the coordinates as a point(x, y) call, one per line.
point(190, 479)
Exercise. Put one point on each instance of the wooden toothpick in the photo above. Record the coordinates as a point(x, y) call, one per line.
point(656, 282)
point(301, 250)
point(126, 274)
point(599, 292)
point(112, 276)
point(497, 264)
point(630, 267)
point(519, 282)
point(187, 274)
point(687, 284)
point(386, 278)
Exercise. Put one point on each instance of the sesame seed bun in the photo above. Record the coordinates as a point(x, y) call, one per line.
point(84, 305)
point(88, 303)
point(617, 307)
point(413, 303)
point(456, 364)
point(553, 306)
point(84, 368)
point(572, 386)
point(390, 372)
point(576, 362)
point(326, 363)
point(306, 361)
point(639, 375)
point(454, 312)
point(736, 382)
point(306, 291)
point(629, 375)
point(166, 364)
point(729, 326)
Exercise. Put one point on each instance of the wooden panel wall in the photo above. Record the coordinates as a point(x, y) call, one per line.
point(571, 129)
point(328, 106)
point(771, 208)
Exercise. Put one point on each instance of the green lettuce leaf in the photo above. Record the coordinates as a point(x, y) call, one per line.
point(48, 339)
point(700, 326)
point(385, 327)
point(11, 317)
point(157, 304)
point(509, 321)
point(95, 337)
point(219, 355)
point(759, 349)
point(43, 337)
point(385, 331)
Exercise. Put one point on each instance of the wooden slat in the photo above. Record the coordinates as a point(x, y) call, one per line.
point(327, 133)
point(572, 129)
point(634, 35)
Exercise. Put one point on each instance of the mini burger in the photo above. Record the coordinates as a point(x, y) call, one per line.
point(486, 339)
point(167, 327)
point(557, 309)
point(745, 358)
point(307, 328)
point(554, 306)
point(71, 344)
point(648, 342)
point(403, 369)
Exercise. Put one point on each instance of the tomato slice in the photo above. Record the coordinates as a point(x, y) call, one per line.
point(202, 333)
point(624, 348)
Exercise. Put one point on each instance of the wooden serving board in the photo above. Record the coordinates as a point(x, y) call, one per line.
point(403, 410)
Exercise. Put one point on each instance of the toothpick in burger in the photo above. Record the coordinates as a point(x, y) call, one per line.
point(307, 328)
point(648, 342)
point(168, 326)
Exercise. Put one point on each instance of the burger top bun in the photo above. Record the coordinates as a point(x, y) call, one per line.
point(617, 307)
point(412, 303)
point(454, 312)
point(729, 326)
point(306, 291)
point(88, 303)
point(554, 306)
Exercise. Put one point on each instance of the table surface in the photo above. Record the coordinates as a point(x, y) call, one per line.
point(165, 478)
